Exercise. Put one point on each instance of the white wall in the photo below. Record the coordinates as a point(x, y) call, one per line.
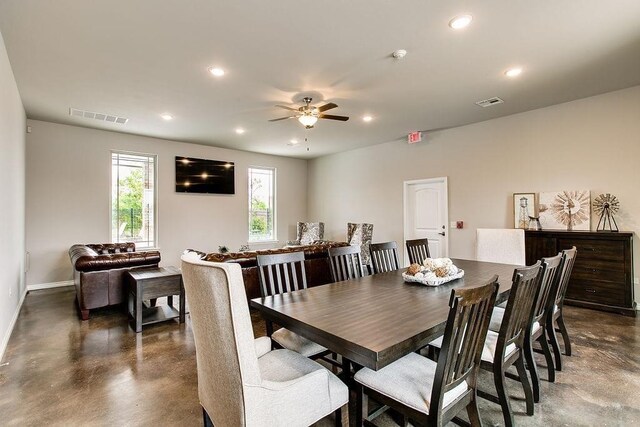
point(68, 187)
point(12, 193)
point(591, 144)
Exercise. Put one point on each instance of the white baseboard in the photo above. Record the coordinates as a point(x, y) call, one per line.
point(50, 285)
point(5, 339)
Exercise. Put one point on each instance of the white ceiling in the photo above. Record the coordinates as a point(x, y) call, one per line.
point(142, 58)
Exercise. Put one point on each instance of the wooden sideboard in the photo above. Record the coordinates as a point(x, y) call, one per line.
point(602, 276)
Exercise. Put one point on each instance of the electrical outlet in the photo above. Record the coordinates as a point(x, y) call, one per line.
point(636, 281)
point(452, 224)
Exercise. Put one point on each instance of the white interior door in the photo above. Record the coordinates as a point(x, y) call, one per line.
point(426, 214)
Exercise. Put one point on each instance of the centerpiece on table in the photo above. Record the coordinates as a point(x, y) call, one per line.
point(433, 272)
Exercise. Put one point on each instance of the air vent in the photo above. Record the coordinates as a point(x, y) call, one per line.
point(97, 116)
point(489, 102)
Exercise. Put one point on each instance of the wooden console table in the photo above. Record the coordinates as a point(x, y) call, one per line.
point(150, 284)
point(602, 276)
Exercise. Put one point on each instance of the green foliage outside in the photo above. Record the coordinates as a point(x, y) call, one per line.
point(130, 207)
point(260, 225)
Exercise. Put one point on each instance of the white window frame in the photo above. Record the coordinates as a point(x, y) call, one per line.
point(155, 245)
point(274, 179)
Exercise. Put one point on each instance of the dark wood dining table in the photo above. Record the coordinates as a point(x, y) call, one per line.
point(377, 319)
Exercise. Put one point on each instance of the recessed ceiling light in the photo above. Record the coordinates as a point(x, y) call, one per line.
point(240, 131)
point(293, 141)
point(367, 118)
point(513, 72)
point(459, 22)
point(216, 71)
point(166, 116)
point(399, 54)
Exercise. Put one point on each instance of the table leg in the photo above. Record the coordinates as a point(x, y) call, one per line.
point(138, 308)
point(170, 300)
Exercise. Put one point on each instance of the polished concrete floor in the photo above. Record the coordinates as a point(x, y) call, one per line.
point(61, 371)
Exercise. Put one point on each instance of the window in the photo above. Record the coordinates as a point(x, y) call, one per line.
point(133, 199)
point(262, 201)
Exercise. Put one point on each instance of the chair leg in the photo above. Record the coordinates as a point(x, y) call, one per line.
point(362, 405)
point(551, 370)
point(524, 380)
point(554, 344)
point(533, 368)
point(565, 334)
point(338, 416)
point(206, 420)
point(84, 314)
point(473, 413)
point(499, 380)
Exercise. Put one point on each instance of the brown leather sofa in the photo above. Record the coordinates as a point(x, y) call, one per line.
point(316, 264)
point(99, 272)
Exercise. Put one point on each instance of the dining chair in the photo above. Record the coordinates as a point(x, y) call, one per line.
point(307, 233)
point(536, 331)
point(345, 263)
point(504, 349)
point(241, 381)
point(556, 305)
point(384, 257)
point(361, 234)
point(430, 393)
point(418, 250)
point(279, 274)
point(504, 246)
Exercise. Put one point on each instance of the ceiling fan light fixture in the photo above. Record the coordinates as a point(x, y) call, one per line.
point(307, 120)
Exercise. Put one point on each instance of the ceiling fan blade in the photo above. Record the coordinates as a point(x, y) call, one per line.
point(287, 108)
point(282, 118)
point(326, 107)
point(331, 117)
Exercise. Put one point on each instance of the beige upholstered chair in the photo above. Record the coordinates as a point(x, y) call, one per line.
point(360, 235)
point(241, 382)
point(504, 246)
point(307, 233)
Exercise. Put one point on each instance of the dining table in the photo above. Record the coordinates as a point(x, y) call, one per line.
point(375, 320)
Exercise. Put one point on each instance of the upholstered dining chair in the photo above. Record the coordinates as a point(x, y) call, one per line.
point(556, 305)
point(307, 233)
point(417, 250)
point(361, 235)
point(345, 263)
point(384, 257)
point(278, 274)
point(430, 393)
point(241, 382)
point(504, 246)
point(505, 348)
point(536, 331)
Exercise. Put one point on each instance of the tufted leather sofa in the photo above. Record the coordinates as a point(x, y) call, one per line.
point(99, 272)
point(316, 264)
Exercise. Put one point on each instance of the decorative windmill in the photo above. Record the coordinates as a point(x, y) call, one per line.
point(606, 205)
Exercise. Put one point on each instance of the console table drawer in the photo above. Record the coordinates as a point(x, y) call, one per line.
point(602, 271)
point(596, 250)
point(596, 291)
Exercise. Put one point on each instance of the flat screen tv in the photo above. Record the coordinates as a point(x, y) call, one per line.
point(204, 176)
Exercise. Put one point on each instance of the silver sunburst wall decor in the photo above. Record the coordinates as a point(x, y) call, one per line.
point(606, 206)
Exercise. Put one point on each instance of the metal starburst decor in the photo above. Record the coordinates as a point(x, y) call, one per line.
point(606, 206)
point(571, 208)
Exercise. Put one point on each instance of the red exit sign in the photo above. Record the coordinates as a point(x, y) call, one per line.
point(414, 137)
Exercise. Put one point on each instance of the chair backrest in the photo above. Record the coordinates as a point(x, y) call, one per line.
point(504, 246)
point(569, 257)
point(463, 341)
point(345, 263)
point(361, 235)
point(552, 269)
point(309, 232)
point(517, 314)
point(384, 257)
point(418, 250)
point(280, 273)
point(225, 350)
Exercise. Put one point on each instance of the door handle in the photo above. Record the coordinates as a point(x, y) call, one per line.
point(441, 233)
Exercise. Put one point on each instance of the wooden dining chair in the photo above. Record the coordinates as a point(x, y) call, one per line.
point(418, 250)
point(430, 393)
point(536, 331)
point(556, 305)
point(345, 263)
point(279, 274)
point(505, 348)
point(384, 257)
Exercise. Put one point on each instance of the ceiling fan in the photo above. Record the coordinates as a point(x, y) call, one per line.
point(308, 115)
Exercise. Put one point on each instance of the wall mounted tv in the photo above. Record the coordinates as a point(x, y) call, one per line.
point(204, 176)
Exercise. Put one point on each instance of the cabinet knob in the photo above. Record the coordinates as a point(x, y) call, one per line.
point(593, 291)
